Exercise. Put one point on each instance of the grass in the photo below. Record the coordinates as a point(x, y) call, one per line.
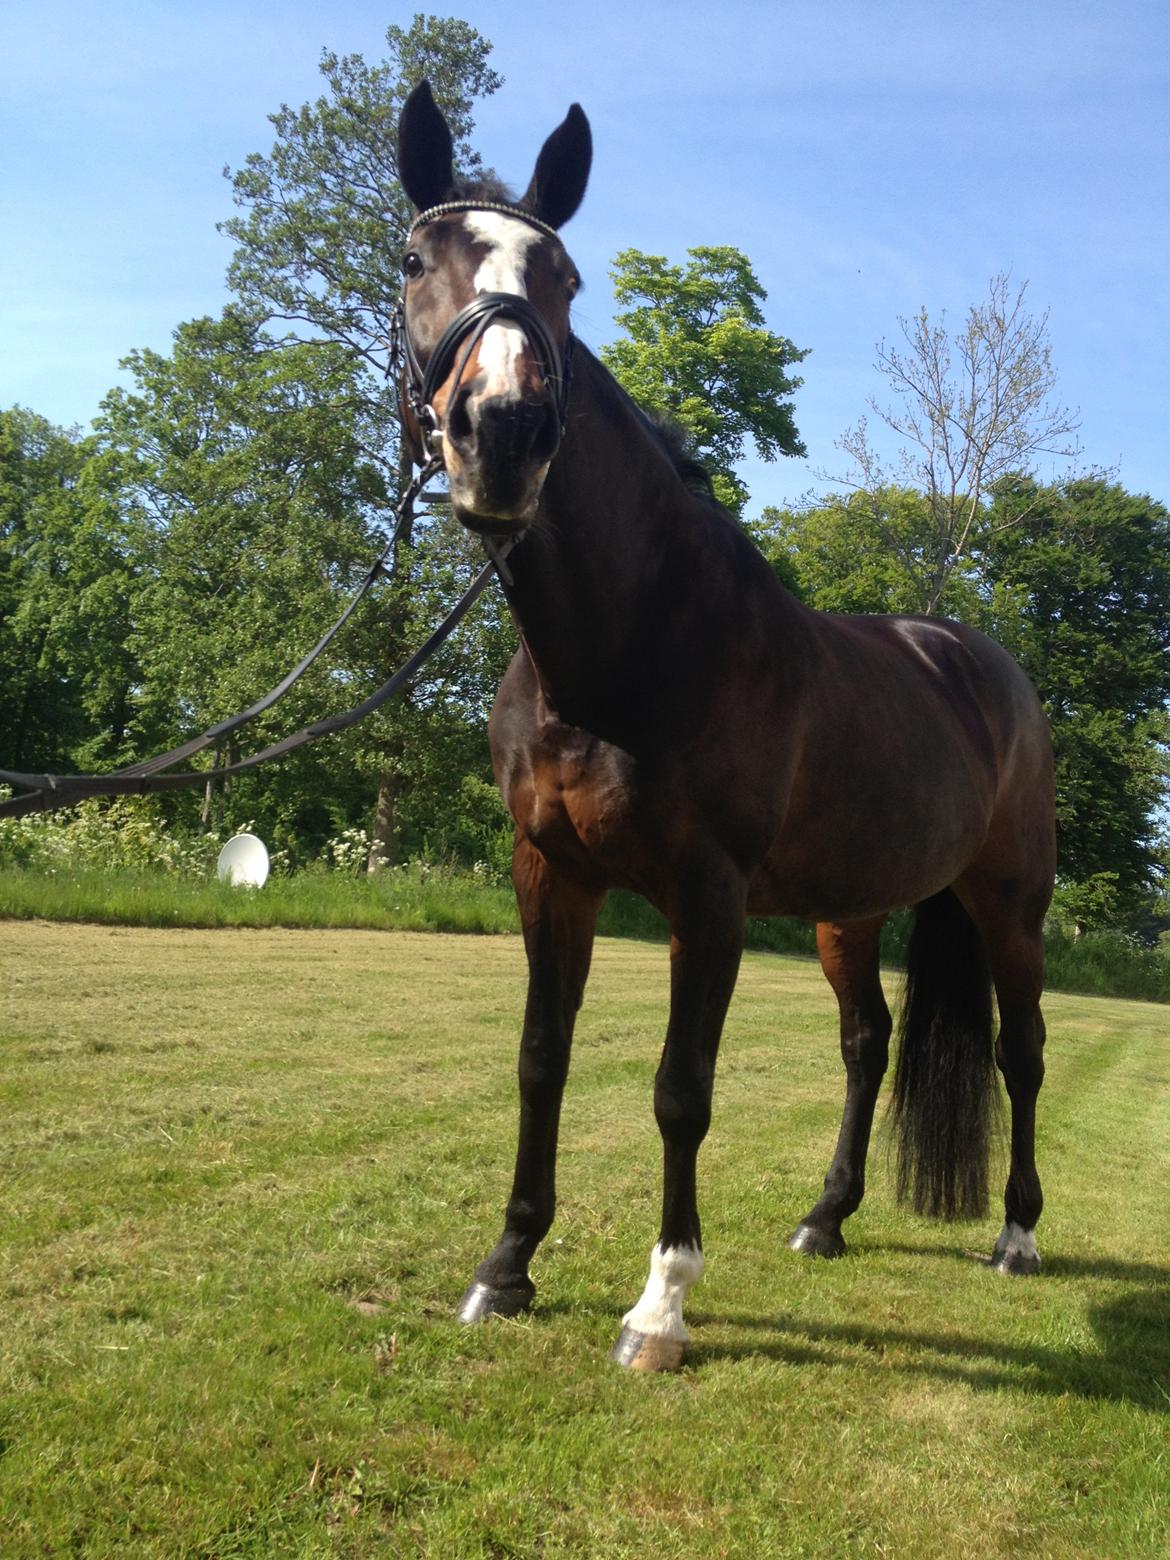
point(421, 898)
point(412, 899)
point(247, 1174)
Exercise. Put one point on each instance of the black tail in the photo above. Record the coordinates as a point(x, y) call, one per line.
point(945, 1093)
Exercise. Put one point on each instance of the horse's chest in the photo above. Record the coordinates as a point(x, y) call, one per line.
point(577, 806)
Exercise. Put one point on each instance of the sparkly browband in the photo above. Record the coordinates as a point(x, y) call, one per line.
point(432, 212)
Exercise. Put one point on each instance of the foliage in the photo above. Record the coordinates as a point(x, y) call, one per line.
point(67, 556)
point(319, 232)
point(1077, 581)
point(124, 835)
point(322, 217)
point(863, 552)
point(244, 469)
point(698, 351)
point(1107, 963)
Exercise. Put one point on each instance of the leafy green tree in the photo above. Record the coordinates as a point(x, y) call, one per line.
point(697, 350)
point(244, 467)
point(1077, 581)
point(319, 232)
point(863, 552)
point(67, 569)
point(322, 217)
point(1074, 580)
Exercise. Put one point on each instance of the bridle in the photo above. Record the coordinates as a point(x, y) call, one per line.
point(464, 332)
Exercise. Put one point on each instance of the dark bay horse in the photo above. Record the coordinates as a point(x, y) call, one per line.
point(676, 723)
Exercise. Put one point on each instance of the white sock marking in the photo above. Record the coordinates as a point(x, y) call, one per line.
point(659, 1311)
point(1015, 1241)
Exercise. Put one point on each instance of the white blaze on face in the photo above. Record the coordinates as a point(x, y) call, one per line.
point(501, 270)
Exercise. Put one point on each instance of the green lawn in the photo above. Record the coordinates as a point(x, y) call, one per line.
point(246, 1176)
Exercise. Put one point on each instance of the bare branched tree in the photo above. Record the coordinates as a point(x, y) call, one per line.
point(971, 410)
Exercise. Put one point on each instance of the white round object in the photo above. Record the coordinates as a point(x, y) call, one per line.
point(243, 862)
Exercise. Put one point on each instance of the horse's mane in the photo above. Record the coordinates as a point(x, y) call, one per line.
point(673, 441)
point(487, 187)
point(676, 442)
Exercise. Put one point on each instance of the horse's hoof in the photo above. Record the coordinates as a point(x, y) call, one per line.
point(482, 1301)
point(1017, 1264)
point(643, 1351)
point(816, 1243)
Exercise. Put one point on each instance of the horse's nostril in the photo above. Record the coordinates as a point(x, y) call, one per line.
point(458, 419)
point(506, 431)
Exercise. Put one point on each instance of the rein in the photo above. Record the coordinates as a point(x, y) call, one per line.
point(48, 792)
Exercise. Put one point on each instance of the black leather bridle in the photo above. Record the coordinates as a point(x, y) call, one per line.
point(463, 333)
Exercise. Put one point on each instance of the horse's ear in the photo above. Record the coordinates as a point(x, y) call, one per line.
point(425, 149)
point(562, 170)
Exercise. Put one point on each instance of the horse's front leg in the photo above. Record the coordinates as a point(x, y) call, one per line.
point(558, 916)
point(706, 943)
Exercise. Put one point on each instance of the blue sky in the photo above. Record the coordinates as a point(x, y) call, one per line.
point(869, 158)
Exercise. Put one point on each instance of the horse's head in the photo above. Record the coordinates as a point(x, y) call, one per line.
point(486, 294)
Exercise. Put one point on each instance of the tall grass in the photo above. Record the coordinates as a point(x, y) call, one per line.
point(120, 864)
point(421, 898)
point(413, 899)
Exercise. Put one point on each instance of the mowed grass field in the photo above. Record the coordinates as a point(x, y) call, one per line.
point(246, 1176)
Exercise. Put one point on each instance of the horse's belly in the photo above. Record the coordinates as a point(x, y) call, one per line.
point(852, 864)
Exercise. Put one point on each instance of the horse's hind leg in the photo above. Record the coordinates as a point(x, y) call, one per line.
point(558, 916)
point(849, 958)
point(1013, 935)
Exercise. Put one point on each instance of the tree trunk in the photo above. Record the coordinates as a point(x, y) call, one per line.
point(384, 830)
point(209, 794)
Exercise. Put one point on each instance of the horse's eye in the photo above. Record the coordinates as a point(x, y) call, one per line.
point(573, 286)
point(412, 266)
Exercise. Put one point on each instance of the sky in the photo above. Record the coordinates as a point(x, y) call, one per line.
point(870, 157)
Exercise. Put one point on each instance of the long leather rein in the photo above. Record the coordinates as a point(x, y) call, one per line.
point(46, 792)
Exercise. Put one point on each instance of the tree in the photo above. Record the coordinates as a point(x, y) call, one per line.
point(863, 552)
point(698, 351)
point(67, 567)
point(971, 411)
point(1077, 581)
point(242, 466)
point(322, 219)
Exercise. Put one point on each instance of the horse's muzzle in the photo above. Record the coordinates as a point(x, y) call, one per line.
point(498, 450)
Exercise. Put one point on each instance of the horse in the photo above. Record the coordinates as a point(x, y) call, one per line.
point(676, 723)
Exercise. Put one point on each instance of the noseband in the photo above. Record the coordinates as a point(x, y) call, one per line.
point(468, 328)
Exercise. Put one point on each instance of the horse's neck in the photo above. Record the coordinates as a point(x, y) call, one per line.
point(589, 576)
point(627, 577)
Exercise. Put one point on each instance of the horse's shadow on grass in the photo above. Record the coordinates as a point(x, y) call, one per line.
point(1132, 1332)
